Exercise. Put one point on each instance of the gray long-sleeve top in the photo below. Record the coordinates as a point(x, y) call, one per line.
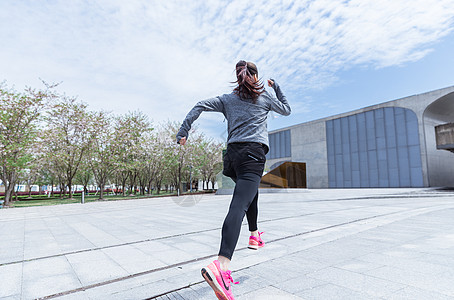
point(246, 120)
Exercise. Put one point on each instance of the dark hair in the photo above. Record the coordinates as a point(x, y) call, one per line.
point(248, 87)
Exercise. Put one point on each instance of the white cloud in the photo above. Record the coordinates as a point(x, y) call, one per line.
point(163, 56)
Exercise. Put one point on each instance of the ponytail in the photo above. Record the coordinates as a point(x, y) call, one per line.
point(248, 87)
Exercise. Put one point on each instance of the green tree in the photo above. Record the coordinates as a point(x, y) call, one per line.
point(67, 136)
point(104, 150)
point(175, 155)
point(209, 160)
point(19, 120)
point(130, 131)
point(84, 175)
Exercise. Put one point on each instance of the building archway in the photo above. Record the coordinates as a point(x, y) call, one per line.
point(440, 163)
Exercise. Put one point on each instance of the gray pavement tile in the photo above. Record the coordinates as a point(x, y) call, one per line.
point(95, 235)
point(135, 267)
point(430, 282)
point(411, 293)
point(174, 296)
point(152, 277)
point(12, 254)
point(184, 277)
point(381, 237)
point(268, 293)
point(203, 291)
point(324, 255)
point(73, 242)
point(95, 271)
point(404, 254)
point(173, 256)
point(305, 265)
point(248, 282)
point(44, 286)
point(198, 249)
point(333, 292)
point(86, 256)
point(190, 294)
point(299, 284)
point(415, 247)
point(48, 267)
point(437, 259)
point(127, 289)
point(269, 274)
point(369, 285)
point(358, 266)
point(132, 259)
point(10, 280)
point(15, 242)
point(75, 296)
point(400, 261)
point(13, 297)
point(152, 247)
point(206, 238)
point(360, 240)
point(442, 240)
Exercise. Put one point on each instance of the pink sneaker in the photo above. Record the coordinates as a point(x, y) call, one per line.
point(256, 242)
point(219, 280)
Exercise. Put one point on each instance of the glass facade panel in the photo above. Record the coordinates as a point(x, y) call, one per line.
point(280, 145)
point(378, 148)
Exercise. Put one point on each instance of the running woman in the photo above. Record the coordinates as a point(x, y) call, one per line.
point(246, 110)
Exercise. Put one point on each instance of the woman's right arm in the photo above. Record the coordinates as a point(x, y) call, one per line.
point(213, 104)
point(281, 107)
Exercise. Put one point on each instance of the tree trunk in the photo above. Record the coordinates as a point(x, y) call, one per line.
point(10, 183)
point(101, 191)
point(9, 190)
point(123, 184)
point(70, 194)
point(61, 190)
point(132, 183)
point(52, 187)
point(7, 197)
point(149, 187)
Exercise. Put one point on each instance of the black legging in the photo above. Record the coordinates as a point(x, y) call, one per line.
point(244, 163)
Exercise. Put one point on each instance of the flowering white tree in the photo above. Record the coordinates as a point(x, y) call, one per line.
point(209, 160)
point(130, 132)
point(103, 158)
point(67, 137)
point(75, 144)
point(19, 120)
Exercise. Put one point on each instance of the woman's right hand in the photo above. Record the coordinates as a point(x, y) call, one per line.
point(270, 82)
point(182, 141)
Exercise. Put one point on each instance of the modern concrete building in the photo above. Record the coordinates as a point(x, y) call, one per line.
point(392, 144)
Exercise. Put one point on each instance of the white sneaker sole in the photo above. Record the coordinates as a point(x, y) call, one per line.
point(209, 277)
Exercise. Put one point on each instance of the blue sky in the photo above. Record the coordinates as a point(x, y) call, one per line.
point(162, 57)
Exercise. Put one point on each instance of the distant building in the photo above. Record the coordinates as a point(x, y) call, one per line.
point(392, 144)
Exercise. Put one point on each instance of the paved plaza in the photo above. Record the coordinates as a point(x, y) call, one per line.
point(320, 244)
